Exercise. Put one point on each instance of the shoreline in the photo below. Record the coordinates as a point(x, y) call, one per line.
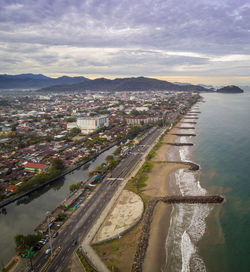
point(156, 252)
point(159, 184)
point(155, 258)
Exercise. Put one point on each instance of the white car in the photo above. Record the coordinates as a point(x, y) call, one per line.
point(47, 251)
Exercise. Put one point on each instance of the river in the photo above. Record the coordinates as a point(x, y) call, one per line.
point(25, 214)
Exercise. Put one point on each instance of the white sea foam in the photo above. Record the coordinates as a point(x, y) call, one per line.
point(187, 183)
point(187, 224)
point(187, 249)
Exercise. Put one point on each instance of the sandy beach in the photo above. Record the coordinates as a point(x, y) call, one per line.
point(158, 185)
point(156, 255)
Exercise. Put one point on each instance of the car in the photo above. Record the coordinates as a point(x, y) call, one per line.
point(42, 242)
point(46, 239)
point(36, 247)
point(39, 245)
point(74, 243)
point(55, 234)
point(47, 251)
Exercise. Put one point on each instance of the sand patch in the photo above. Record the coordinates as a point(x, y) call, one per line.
point(157, 183)
point(156, 246)
point(127, 210)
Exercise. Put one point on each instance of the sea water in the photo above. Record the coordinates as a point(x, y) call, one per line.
point(208, 237)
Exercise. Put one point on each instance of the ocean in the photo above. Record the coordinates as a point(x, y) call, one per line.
point(214, 237)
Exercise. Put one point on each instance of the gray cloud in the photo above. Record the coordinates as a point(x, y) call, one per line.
point(122, 37)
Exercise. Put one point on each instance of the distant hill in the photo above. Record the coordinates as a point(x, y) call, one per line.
point(25, 81)
point(124, 84)
point(230, 89)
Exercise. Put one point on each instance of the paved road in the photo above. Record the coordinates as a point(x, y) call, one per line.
point(88, 212)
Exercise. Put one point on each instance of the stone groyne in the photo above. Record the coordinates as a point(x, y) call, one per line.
point(192, 166)
point(181, 144)
point(184, 134)
point(190, 122)
point(186, 127)
point(189, 117)
point(192, 199)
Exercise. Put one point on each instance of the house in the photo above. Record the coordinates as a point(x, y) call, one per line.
point(35, 167)
point(11, 188)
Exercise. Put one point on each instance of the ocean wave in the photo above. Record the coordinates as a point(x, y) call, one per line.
point(187, 225)
point(187, 183)
point(187, 250)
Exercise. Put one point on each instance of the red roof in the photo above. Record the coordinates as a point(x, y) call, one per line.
point(12, 187)
point(35, 165)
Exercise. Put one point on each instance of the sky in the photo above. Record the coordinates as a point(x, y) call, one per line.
point(195, 41)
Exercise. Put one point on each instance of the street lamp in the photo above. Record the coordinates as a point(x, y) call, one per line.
point(50, 239)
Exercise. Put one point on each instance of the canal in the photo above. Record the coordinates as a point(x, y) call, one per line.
point(25, 214)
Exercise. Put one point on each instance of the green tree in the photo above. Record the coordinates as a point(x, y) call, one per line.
point(117, 151)
point(109, 158)
point(75, 186)
point(24, 242)
point(62, 216)
point(57, 164)
point(75, 131)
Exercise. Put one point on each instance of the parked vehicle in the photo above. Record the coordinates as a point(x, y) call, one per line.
point(47, 251)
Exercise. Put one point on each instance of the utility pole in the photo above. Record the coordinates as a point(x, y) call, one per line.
point(50, 238)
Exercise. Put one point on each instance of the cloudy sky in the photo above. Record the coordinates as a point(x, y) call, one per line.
point(198, 41)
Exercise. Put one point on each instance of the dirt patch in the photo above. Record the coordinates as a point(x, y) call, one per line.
point(120, 252)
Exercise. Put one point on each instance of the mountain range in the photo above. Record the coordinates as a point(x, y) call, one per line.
point(35, 81)
point(124, 84)
point(65, 83)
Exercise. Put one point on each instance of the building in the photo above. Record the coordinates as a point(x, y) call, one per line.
point(92, 123)
point(141, 120)
point(33, 167)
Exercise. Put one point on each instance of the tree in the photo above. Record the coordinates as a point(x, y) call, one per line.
point(62, 216)
point(109, 158)
point(24, 242)
point(57, 164)
point(75, 131)
point(75, 186)
point(117, 151)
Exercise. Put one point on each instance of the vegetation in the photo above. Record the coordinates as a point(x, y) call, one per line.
point(62, 216)
point(24, 242)
point(117, 151)
point(9, 266)
point(86, 265)
point(57, 164)
point(55, 170)
point(74, 131)
point(75, 186)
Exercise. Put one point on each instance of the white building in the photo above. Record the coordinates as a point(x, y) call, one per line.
point(92, 123)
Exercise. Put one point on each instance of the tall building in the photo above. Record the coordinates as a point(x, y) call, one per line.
point(92, 123)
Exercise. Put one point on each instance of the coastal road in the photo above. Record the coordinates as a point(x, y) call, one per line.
point(81, 222)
